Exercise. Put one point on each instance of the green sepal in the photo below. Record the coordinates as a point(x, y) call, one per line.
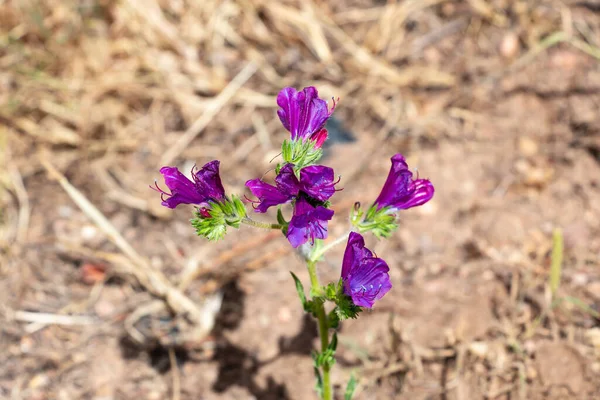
point(332, 290)
point(239, 209)
point(381, 222)
point(333, 319)
point(300, 152)
point(225, 213)
point(352, 383)
point(346, 309)
point(281, 221)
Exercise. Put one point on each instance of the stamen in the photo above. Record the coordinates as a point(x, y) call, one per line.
point(156, 188)
point(252, 202)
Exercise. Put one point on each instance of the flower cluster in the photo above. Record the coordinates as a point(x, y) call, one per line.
point(309, 194)
point(308, 188)
point(215, 211)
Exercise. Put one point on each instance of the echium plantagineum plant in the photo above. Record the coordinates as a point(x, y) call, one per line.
point(308, 188)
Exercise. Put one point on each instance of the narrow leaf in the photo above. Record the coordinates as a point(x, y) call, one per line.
point(350, 388)
point(334, 342)
point(300, 290)
point(319, 384)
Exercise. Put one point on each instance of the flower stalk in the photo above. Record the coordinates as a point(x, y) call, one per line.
point(323, 327)
point(258, 224)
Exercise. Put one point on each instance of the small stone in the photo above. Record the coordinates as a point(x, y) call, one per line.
point(88, 232)
point(528, 147)
point(580, 279)
point(284, 314)
point(509, 47)
point(65, 211)
point(104, 308)
point(26, 344)
point(479, 349)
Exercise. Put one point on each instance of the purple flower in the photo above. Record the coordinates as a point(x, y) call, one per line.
point(316, 181)
point(308, 223)
point(400, 190)
point(205, 186)
point(304, 114)
point(365, 277)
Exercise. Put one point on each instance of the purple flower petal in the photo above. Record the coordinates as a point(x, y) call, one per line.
point(206, 185)
point(208, 181)
point(308, 223)
point(183, 190)
point(286, 180)
point(302, 113)
point(365, 277)
point(317, 182)
point(268, 195)
point(400, 190)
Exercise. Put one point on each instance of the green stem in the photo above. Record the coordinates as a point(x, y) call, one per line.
point(323, 328)
point(319, 253)
point(258, 224)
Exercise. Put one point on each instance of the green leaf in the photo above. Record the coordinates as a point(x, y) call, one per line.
point(301, 295)
point(352, 383)
point(319, 384)
point(333, 343)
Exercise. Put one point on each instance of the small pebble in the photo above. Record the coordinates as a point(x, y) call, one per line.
point(510, 45)
point(88, 232)
point(528, 147)
point(284, 314)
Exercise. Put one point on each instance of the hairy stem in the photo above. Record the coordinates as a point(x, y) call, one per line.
point(258, 224)
point(319, 253)
point(323, 328)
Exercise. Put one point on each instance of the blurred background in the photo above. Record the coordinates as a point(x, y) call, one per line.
point(104, 294)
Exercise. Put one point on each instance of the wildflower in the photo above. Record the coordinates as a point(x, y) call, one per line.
point(309, 194)
point(316, 181)
point(304, 114)
point(400, 190)
point(308, 223)
point(205, 186)
point(364, 276)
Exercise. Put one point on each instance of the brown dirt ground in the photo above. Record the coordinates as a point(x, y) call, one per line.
point(496, 102)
